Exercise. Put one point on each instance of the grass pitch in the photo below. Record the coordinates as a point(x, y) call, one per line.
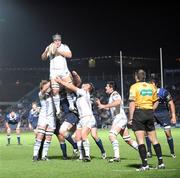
point(16, 161)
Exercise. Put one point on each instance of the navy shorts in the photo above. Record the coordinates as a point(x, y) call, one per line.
point(34, 124)
point(71, 118)
point(13, 126)
point(163, 118)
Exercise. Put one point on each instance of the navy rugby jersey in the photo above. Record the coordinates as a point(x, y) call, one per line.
point(164, 97)
point(12, 119)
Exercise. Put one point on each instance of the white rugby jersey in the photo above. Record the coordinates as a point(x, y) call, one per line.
point(118, 109)
point(59, 62)
point(46, 106)
point(83, 103)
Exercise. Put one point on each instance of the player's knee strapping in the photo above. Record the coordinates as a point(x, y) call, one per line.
point(127, 138)
point(55, 86)
point(167, 127)
point(113, 133)
point(131, 142)
point(49, 132)
point(41, 131)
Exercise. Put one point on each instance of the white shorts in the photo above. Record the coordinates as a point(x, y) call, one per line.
point(88, 121)
point(47, 121)
point(59, 73)
point(120, 120)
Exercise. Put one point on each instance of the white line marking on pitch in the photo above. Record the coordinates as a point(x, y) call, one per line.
point(130, 170)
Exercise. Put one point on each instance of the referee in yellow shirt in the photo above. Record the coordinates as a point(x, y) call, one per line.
point(142, 101)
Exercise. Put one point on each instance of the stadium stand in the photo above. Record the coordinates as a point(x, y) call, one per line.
point(19, 86)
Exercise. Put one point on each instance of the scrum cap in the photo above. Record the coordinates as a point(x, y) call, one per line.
point(56, 37)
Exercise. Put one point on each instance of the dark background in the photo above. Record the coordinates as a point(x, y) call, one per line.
point(89, 28)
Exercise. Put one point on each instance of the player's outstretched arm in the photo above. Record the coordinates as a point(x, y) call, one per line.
point(68, 85)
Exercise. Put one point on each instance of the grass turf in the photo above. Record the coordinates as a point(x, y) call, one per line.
point(16, 160)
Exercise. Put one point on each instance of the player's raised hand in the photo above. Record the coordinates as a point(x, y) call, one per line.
point(52, 49)
point(59, 80)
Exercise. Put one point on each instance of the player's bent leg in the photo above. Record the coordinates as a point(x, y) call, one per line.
point(65, 128)
point(65, 132)
point(127, 138)
point(98, 142)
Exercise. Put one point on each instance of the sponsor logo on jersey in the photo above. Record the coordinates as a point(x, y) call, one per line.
point(146, 92)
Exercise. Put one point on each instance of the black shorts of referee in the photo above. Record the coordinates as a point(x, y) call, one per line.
point(143, 119)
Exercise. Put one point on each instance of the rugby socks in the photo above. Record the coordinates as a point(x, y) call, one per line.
point(171, 144)
point(64, 149)
point(157, 149)
point(134, 145)
point(115, 145)
point(131, 142)
point(100, 145)
point(148, 143)
point(70, 101)
point(36, 147)
point(56, 99)
point(41, 148)
point(71, 141)
point(142, 153)
point(45, 148)
point(80, 148)
point(9, 139)
point(19, 139)
point(86, 146)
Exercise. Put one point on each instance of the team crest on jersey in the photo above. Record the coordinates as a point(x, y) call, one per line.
point(115, 95)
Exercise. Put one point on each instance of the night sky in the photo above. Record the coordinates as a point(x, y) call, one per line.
point(89, 28)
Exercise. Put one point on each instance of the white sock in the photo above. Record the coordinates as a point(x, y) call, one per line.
point(115, 145)
point(134, 145)
point(86, 146)
point(70, 101)
point(79, 144)
point(36, 147)
point(56, 99)
point(45, 148)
